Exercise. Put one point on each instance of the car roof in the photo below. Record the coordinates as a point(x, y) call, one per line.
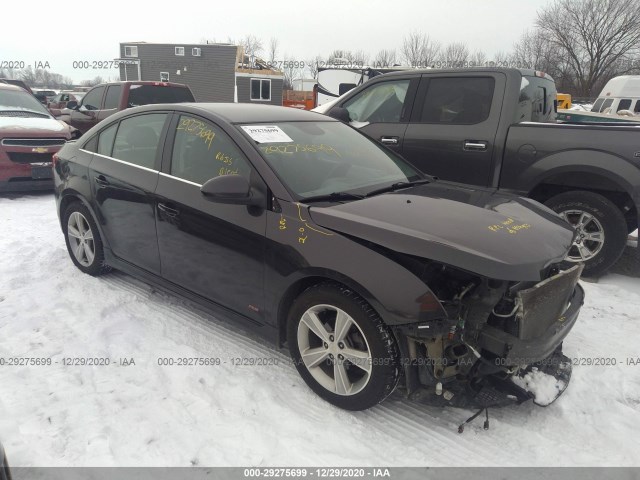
point(8, 86)
point(245, 112)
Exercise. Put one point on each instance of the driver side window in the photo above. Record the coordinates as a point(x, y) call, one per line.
point(202, 151)
point(381, 103)
point(93, 99)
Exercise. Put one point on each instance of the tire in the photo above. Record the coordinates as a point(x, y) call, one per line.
point(364, 357)
point(601, 225)
point(84, 243)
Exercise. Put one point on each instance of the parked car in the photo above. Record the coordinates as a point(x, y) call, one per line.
point(321, 239)
point(106, 99)
point(60, 100)
point(29, 136)
point(19, 83)
point(497, 128)
point(44, 96)
point(5, 473)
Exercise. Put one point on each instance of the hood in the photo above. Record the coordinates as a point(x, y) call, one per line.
point(32, 127)
point(494, 235)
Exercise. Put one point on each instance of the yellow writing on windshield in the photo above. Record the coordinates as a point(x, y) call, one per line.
point(292, 148)
point(197, 128)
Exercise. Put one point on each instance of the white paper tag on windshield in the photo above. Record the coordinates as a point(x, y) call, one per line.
point(266, 133)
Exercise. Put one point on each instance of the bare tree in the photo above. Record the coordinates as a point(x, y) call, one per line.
point(478, 59)
point(272, 52)
point(385, 58)
point(594, 37)
point(252, 46)
point(290, 72)
point(313, 64)
point(28, 76)
point(418, 50)
point(455, 55)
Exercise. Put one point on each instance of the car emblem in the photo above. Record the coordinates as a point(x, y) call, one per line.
point(40, 150)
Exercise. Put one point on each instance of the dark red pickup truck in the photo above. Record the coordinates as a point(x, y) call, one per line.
point(108, 98)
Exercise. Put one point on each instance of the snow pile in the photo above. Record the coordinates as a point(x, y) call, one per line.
point(146, 414)
point(544, 387)
point(585, 107)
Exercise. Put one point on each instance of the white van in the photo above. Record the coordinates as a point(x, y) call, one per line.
point(621, 96)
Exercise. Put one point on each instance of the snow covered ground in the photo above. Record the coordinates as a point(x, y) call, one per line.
point(151, 415)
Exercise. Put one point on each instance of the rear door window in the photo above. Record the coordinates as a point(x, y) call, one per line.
point(138, 138)
point(105, 140)
point(458, 101)
point(112, 99)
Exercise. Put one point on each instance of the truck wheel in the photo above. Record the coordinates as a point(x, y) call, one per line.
point(342, 348)
point(602, 229)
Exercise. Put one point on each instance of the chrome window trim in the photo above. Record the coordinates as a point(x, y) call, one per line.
point(181, 179)
point(120, 161)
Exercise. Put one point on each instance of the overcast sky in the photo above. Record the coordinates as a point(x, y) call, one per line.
point(63, 32)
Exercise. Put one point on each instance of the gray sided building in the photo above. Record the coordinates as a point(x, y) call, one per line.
point(210, 70)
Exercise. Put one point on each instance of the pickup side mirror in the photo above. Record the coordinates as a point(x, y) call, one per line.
point(340, 113)
point(72, 104)
point(229, 189)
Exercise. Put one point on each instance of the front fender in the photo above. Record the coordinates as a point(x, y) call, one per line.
point(299, 249)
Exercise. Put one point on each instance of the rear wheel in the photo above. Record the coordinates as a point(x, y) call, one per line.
point(342, 348)
point(601, 227)
point(83, 240)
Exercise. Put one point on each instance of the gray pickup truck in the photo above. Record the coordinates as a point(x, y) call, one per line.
point(497, 129)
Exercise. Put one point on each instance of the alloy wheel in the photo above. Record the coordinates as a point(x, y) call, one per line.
point(590, 235)
point(334, 350)
point(81, 239)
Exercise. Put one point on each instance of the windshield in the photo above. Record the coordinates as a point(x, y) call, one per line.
point(320, 158)
point(19, 100)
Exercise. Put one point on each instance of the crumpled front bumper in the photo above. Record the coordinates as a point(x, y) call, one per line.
point(531, 345)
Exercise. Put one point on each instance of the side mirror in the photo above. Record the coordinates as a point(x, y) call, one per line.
point(72, 104)
point(229, 189)
point(340, 113)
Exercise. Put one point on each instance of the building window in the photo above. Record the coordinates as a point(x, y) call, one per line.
point(164, 76)
point(195, 51)
point(180, 51)
point(260, 89)
point(130, 51)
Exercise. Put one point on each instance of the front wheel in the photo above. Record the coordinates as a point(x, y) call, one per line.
point(342, 348)
point(601, 228)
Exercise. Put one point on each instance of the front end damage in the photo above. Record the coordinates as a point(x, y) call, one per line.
point(499, 343)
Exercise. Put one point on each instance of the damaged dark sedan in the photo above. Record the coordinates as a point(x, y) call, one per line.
point(374, 275)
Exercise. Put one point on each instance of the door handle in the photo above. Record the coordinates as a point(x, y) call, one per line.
point(101, 181)
point(170, 212)
point(389, 140)
point(475, 145)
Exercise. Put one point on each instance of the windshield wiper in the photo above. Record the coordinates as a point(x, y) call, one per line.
point(333, 197)
point(398, 185)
